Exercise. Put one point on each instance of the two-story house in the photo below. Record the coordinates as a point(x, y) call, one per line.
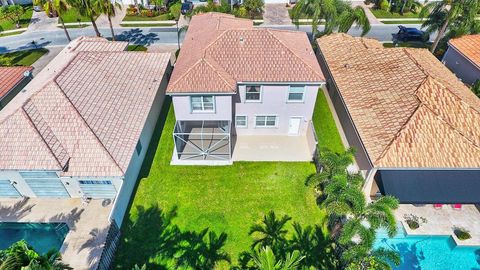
point(243, 93)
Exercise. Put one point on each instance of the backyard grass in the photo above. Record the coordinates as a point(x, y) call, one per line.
point(6, 24)
point(222, 198)
point(163, 17)
point(325, 127)
point(22, 58)
point(387, 14)
point(72, 15)
point(136, 48)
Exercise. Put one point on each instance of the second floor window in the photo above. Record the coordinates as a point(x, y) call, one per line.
point(296, 93)
point(202, 103)
point(253, 93)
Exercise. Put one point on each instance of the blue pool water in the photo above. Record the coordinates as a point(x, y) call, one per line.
point(41, 236)
point(430, 252)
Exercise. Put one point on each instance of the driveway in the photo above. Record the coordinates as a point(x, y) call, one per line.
point(46, 58)
point(276, 14)
point(40, 21)
point(102, 20)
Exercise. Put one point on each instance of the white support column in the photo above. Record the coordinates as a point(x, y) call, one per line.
point(367, 187)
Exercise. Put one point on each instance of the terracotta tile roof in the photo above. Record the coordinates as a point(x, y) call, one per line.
point(469, 46)
point(409, 110)
point(220, 50)
point(87, 121)
point(10, 77)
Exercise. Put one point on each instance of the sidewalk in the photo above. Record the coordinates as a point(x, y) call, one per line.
point(276, 14)
point(40, 21)
point(371, 18)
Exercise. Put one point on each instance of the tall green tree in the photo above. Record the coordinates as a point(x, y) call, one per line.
point(13, 13)
point(88, 9)
point(107, 7)
point(254, 7)
point(59, 7)
point(20, 255)
point(338, 15)
point(445, 14)
point(271, 232)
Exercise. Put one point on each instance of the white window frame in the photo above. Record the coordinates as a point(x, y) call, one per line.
point(246, 121)
point(260, 94)
point(203, 104)
point(303, 94)
point(267, 115)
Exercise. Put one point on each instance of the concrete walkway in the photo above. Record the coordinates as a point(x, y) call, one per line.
point(371, 18)
point(276, 14)
point(102, 20)
point(40, 21)
point(45, 59)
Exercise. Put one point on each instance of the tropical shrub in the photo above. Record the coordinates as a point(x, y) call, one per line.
point(254, 7)
point(476, 88)
point(384, 5)
point(461, 233)
point(414, 221)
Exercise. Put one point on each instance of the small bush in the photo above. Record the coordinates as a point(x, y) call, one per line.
point(462, 234)
point(414, 221)
point(384, 5)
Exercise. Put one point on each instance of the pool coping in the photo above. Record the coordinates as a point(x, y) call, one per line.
point(458, 242)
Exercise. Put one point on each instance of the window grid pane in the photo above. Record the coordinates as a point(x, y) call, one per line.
point(253, 93)
point(296, 93)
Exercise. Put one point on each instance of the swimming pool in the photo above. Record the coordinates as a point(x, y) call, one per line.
point(41, 236)
point(430, 252)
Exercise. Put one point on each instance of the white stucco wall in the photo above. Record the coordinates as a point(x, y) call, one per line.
point(274, 102)
point(133, 170)
point(461, 66)
point(223, 109)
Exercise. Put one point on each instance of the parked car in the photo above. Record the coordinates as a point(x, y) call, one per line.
point(187, 6)
point(406, 34)
point(37, 8)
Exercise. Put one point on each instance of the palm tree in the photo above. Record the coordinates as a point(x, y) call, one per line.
point(107, 7)
point(55, 6)
point(313, 244)
point(265, 260)
point(332, 164)
point(212, 251)
point(337, 14)
point(271, 232)
point(88, 9)
point(20, 255)
point(442, 14)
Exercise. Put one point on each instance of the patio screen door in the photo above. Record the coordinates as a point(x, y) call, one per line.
point(7, 190)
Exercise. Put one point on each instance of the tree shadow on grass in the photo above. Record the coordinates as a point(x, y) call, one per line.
point(151, 238)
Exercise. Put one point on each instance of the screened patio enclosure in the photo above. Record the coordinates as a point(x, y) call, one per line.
point(203, 140)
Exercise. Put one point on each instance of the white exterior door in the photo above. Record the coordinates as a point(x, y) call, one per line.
point(294, 125)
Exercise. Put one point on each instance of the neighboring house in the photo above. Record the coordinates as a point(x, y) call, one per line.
point(12, 80)
point(463, 58)
point(83, 125)
point(243, 93)
point(415, 126)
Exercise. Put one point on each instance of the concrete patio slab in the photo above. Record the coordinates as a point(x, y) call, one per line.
point(88, 223)
point(443, 221)
point(272, 148)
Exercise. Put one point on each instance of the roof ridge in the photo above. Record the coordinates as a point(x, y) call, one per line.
point(217, 72)
point(88, 126)
point(291, 51)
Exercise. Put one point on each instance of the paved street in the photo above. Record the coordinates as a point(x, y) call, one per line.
point(146, 35)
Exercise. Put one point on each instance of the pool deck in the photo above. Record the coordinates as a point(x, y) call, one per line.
point(442, 221)
point(88, 224)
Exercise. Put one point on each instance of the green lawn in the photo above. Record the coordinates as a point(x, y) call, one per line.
point(325, 127)
point(23, 58)
point(223, 198)
point(72, 15)
point(163, 17)
point(136, 48)
point(6, 24)
point(11, 33)
point(386, 14)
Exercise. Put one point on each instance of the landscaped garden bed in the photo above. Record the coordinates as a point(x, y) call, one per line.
point(222, 198)
point(22, 58)
point(24, 20)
